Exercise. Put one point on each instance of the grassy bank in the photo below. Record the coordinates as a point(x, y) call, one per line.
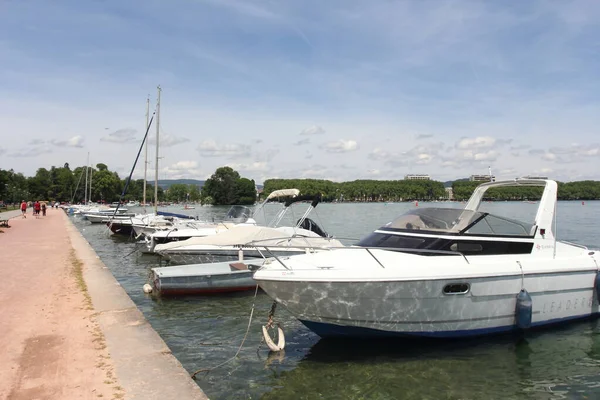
point(9, 208)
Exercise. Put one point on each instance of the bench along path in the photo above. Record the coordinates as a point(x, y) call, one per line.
point(6, 216)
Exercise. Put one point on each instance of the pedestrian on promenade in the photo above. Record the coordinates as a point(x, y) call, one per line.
point(43, 208)
point(36, 208)
point(24, 209)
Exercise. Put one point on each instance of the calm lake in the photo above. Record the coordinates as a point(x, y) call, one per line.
point(202, 332)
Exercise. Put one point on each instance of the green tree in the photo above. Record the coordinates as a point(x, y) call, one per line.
point(221, 186)
point(178, 192)
point(245, 191)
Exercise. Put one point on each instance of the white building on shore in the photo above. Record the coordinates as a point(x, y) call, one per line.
point(417, 177)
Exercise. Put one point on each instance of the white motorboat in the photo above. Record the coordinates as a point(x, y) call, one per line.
point(221, 277)
point(437, 272)
point(104, 218)
point(236, 216)
point(252, 241)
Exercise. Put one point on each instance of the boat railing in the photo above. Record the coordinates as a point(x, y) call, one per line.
point(369, 249)
point(574, 244)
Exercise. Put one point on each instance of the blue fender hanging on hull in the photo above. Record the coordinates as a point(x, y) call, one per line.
point(524, 309)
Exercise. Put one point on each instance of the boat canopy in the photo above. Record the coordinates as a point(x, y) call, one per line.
point(253, 235)
point(283, 193)
point(458, 222)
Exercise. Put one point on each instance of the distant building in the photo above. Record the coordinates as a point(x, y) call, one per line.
point(535, 177)
point(417, 177)
point(482, 178)
point(449, 193)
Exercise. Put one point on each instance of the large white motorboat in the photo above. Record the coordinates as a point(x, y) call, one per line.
point(437, 272)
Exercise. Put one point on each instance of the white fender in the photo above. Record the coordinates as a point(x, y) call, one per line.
point(280, 339)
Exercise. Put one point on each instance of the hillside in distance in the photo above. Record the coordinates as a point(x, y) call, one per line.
point(166, 183)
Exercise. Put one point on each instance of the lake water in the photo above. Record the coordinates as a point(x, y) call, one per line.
point(203, 332)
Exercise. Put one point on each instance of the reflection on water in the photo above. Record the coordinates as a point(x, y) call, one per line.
point(202, 332)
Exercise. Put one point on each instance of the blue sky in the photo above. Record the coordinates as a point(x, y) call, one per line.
point(339, 90)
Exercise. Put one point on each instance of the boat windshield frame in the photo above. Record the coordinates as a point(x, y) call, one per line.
point(459, 222)
point(239, 214)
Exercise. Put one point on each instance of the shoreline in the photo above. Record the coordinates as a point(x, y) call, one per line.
point(144, 364)
point(69, 329)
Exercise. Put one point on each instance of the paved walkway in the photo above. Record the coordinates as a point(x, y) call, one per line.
point(51, 346)
point(68, 330)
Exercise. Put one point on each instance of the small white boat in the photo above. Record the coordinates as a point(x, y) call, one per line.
point(222, 277)
point(437, 272)
point(104, 218)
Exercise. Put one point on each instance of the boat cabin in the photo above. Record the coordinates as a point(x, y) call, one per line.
point(469, 231)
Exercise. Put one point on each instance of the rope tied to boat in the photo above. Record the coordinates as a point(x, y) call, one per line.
point(207, 370)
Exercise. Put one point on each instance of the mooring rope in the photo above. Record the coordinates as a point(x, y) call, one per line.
point(241, 344)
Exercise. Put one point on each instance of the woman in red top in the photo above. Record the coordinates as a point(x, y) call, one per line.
point(37, 207)
point(24, 208)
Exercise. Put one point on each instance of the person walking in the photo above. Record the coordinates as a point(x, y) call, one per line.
point(24, 209)
point(36, 208)
point(43, 208)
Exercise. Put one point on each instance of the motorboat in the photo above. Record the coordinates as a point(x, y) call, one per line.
point(104, 218)
point(252, 241)
point(237, 216)
point(443, 272)
point(194, 279)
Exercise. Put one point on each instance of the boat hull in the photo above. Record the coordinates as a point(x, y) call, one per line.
point(119, 228)
point(420, 308)
point(199, 279)
point(216, 254)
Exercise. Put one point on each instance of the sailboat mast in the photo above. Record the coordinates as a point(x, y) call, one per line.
point(146, 146)
point(156, 162)
point(91, 173)
point(86, 178)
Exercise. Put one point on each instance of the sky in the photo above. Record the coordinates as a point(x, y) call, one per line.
point(337, 89)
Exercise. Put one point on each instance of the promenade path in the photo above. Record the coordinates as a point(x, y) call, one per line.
point(55, 344)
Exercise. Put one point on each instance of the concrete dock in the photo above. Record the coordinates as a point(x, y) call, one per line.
point(69, 330)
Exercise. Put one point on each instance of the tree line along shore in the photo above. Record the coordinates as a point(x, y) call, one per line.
point(226, 187)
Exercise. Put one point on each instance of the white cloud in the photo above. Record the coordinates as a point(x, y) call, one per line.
point(378, 154)
point(341, 146)
point(549, 156)
point(479, 142)
point(469, 155)
point(124, 135)
point(210, 148)
point(2, 150)
point(313, 130)
point(32, 151)
point(183, 165)
point(35, 142)
point(423, 158)
point(544, 170)
point(257, 166)
point(424, 136)
point(169, 140)
point(183, 169)
point(302, 142)
point(75, 141)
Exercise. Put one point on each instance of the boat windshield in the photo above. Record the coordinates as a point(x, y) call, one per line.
point(459, 221)
point(238, 214)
